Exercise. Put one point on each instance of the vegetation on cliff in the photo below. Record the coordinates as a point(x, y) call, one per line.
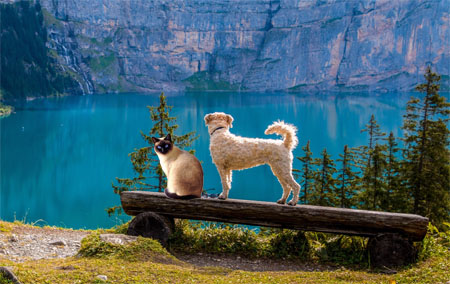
point(27, 68)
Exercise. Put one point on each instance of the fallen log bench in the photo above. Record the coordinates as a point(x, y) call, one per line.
point(391, 234)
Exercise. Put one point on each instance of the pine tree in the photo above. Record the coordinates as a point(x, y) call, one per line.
point(324, 181)
point(307, 172)
point(394, 198)
point(426, 153)
point(370, 180)
point(374, 132)
point(347, 179)
point(150, 175)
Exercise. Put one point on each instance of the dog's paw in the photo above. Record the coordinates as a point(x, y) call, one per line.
point(222, 196)
point(281, 201)
point(292, 203)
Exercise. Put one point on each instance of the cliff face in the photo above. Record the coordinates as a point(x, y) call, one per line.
point(145, 45)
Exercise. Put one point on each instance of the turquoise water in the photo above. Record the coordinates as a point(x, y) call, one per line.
point(59, 156)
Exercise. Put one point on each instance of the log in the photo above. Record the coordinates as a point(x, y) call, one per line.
point(271, 214)
point(152, 225)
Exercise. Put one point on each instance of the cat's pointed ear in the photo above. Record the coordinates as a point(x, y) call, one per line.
point(168, 137)
point(155, 140)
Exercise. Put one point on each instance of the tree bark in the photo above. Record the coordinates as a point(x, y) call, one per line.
point(271, 214)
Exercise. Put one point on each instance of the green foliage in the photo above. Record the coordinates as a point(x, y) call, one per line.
point(145, 162)
point(210, 237)
point(426, 153)
point(214, 238)
point(290, 244)
point(307, 172)
point(101, 63)
point(27, 70)
point(4, 280)
point(324, 191)
point(340, 249)
point(435, 243)
point(203, 81)
point(5, 110)
point(412, 179)
point(140, 250)
point(347, 179)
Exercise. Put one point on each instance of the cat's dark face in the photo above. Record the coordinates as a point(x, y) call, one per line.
point(163, 145)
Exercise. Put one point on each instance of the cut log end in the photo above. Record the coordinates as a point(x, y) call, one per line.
point(152, 225)
point(391, 250)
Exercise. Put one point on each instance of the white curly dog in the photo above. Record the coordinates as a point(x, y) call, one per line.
point(230, 152)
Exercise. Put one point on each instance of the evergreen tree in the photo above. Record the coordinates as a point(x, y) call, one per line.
point(307, 172)
point(150, 175)
point(324, 181)
point(426, 153)
point(394, 198)
point(374, 132)
point(347, 178)
point(371, 178)
point(376, 179)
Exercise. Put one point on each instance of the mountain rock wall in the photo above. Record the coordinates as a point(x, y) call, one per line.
point(249, 45)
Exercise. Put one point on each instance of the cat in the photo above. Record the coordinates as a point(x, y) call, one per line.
point(183, 170)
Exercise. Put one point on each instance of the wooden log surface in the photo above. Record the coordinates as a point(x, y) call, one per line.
point(271, 214)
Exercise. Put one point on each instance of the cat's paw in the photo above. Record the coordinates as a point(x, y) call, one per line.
point(281, 201)
point(292, 203)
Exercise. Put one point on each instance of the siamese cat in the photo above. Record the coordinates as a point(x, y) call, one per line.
point(184, 172)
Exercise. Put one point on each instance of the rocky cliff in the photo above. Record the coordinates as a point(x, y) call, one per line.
point(253, 45)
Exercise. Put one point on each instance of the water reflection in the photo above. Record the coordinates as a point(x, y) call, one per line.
point(59, 156)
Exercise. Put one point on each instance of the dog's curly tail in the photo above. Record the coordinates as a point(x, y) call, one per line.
point(288, 131)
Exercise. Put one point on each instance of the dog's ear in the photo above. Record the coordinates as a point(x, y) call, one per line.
point(155, 140)
point(230, 120)
point(208, 118)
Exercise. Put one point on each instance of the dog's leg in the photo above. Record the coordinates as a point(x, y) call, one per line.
point(289, 179)
point(295, 190)
point(286, 190)
point(225, 177)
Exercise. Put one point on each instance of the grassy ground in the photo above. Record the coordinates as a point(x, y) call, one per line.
point(145, 261)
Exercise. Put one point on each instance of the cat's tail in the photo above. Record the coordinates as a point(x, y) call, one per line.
point(288, 131)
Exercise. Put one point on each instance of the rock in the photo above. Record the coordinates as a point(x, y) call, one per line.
point(102, 277)
point(58, 243)
point(13, 238)
point(118, 239)
point(8, 274)
point(251, 45)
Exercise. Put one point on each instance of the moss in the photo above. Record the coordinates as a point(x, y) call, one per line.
point(145, 261)
point(143, 249)
point(50, 20)
point(101, 63)
point(203, 81)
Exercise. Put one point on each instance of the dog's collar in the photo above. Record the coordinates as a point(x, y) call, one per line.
point(216, 130)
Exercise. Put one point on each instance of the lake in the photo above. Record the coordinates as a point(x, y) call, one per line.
point(59, 156)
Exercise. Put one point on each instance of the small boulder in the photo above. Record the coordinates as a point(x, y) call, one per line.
point(58, 243)
point(117, 239)
point(102, 277)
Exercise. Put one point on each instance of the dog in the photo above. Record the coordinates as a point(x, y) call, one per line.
point(230, 152)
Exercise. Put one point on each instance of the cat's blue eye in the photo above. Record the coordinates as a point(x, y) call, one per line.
point(167, 146)
point(159, 147)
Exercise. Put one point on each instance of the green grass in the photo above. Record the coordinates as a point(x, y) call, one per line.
point(145, 261)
